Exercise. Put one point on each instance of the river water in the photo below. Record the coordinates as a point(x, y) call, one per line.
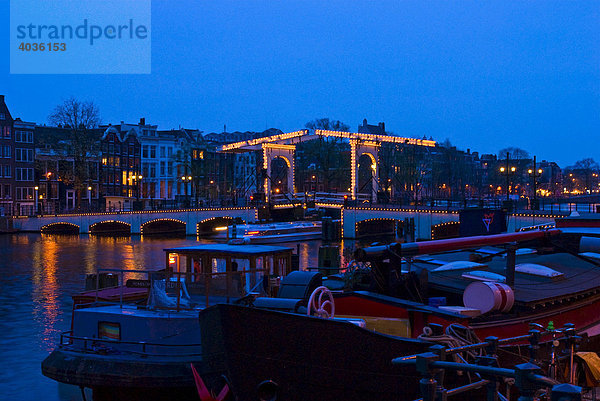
point(38, 276)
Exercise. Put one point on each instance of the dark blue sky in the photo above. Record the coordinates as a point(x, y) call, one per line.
point(485, 75)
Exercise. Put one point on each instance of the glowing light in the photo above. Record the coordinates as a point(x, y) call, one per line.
point(258, 141)
point(376, 137)
point(222, 228)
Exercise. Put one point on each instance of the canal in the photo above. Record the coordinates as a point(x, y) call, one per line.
point(38, 275)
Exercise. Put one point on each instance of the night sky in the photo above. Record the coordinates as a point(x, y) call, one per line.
point(485, 75)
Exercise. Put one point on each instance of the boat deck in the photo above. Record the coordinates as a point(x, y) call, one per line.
point(580, 275)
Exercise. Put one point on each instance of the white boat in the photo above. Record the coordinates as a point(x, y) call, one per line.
point(274, 232)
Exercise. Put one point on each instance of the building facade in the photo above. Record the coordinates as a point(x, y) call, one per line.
point(25, 194)
point(7, 161)
point(121, 175)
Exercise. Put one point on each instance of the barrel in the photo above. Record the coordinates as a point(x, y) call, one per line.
point(489, 296)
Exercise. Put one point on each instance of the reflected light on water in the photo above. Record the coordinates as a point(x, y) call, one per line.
point(46, 308)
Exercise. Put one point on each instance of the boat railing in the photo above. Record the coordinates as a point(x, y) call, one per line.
point(144, 348)
point(528, 377)
point(213, 287)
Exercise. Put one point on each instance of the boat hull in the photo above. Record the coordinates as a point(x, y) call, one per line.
point(308, 357)
point(115, 377)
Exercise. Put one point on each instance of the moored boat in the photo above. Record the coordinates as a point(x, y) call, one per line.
point(137, 341)
point(273, 232)
point(500, 286)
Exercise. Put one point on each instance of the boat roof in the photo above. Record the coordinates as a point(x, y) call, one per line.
point(579, 275)
point(231, 249)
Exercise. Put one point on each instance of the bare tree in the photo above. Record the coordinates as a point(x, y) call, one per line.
point(327, 124)
point(585, 170)
point(326, 153)
point(79, 118)
point(514, 153)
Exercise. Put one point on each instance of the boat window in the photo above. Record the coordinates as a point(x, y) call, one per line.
point(219, 265)
point(183, 263)
point(173, 261)
point(109, 330)
point(282, 266)
point(240, 264)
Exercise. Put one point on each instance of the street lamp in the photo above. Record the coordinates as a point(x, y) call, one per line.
point(36, 198)
point(507, 171)
point(48, 188)
point(534, 174)
point(139, 186)
point(90, 196)
point(186, 180)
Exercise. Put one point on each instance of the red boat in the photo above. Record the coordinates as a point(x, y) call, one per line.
point(497, 284)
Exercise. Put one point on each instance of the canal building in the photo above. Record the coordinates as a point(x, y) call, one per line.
point(7, 161)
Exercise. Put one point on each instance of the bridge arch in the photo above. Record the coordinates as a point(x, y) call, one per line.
point(60, 227)
point(280, 172)
point(272, 152)
point(214, 225)
point(447, 229)
point(110, 228)
point(359, 148)
point(163, 226)
point(377, 226)
point(372, 157)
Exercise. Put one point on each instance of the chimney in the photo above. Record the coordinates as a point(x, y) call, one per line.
point(142, 121)
point(382, 126)
point(2, 98)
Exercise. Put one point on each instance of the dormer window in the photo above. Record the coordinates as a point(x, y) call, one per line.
point(2, 116)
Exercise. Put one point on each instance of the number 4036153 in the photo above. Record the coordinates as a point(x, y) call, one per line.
point(41, 47)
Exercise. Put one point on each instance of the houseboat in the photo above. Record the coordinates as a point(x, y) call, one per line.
point(458, 290)
point(137, 340)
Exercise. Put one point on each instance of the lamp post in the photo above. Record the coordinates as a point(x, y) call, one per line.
point(534, 174)
point(186, 180)
point(48, 187)
point(139, 185)
point(90, 197)
point(36, 198)
point(508, 171)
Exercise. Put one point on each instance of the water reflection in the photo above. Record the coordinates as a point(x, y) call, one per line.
point(45, 292)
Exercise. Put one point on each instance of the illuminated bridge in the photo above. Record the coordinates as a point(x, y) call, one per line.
point(283, 146)
point(188, 222)
point(358, 221)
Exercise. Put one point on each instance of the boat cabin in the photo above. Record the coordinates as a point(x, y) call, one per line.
point(240, 268)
